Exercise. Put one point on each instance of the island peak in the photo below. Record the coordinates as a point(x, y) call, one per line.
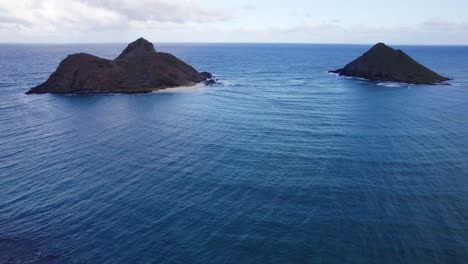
point(383, 63)
point(381, 45)
point(138, 47)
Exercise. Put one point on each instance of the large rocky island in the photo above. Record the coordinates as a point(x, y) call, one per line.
point(138, 69)
point(383, 63)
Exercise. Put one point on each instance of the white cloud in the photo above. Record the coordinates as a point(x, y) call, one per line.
point(175, 11)
point(196, 21)
point(57, 16)
point(436, 24)
point(335, 31)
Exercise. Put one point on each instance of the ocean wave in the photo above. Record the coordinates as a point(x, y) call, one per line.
point(393, 84)
point(6, 84)
point(228, 83)
point(296, 82)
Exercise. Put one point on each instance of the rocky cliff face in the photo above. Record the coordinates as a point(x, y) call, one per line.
point(386, 64)
point(138, 69)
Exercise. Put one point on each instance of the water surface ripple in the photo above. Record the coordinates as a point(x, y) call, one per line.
point(281, 163)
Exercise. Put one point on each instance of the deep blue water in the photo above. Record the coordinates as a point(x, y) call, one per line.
point(281, 163)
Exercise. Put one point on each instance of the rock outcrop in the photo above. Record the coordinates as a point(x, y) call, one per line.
point(382, 63)
point(138, 69)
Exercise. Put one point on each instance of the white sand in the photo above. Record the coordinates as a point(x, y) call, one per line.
point(183, 89)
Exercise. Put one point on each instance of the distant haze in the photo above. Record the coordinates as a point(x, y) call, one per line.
point(296, 21)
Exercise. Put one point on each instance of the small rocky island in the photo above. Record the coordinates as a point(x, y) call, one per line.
point(383, 63)
point(138, 69)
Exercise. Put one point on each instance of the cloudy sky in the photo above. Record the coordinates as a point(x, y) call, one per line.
point(304, 21)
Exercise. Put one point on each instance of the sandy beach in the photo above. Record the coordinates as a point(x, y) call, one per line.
point(183, 89)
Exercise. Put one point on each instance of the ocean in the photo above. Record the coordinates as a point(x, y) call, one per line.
point(279, 163)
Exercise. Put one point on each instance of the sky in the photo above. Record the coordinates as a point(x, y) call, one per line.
point(427, 22)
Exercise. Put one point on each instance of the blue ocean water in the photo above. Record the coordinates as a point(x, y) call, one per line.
point(280, 163)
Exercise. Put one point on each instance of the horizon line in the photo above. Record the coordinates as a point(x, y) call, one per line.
point(214, 43)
